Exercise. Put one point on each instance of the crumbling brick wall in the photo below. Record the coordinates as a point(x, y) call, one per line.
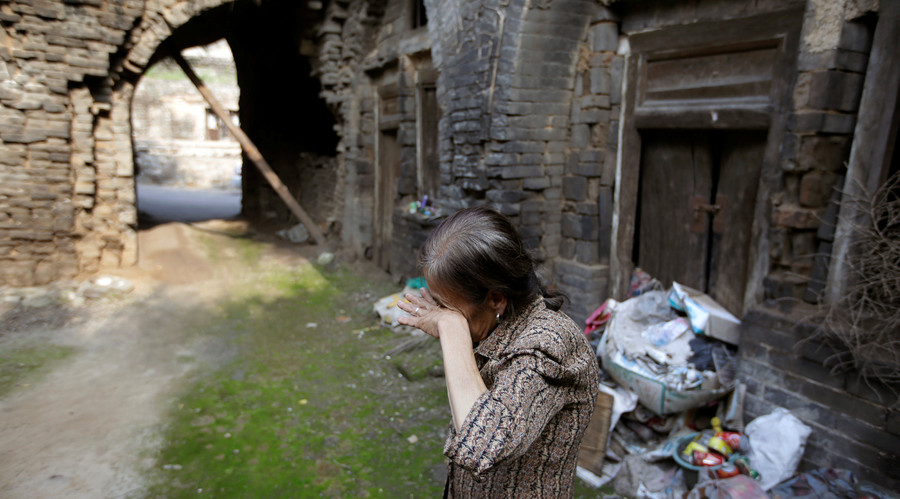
point(531, 138)
point(67, 198)
point(830, 72)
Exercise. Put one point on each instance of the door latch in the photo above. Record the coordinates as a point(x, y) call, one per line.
point(699, 210)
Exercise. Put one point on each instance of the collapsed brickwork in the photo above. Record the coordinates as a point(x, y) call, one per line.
point(535, 107)
point(68, 199)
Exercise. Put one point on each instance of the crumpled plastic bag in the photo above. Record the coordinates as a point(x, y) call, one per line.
point(736, 487)
point(777, 441)
point(387, 309)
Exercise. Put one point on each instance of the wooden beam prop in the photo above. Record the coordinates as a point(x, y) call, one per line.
point(250, 148)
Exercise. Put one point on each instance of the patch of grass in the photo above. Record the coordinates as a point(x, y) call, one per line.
point(310, 406)
point(24, 365)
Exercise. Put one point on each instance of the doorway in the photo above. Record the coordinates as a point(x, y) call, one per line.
point(696, 202)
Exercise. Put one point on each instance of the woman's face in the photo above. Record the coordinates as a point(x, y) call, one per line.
point(482, 318)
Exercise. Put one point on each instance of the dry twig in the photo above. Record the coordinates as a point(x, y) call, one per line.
point(865, 321)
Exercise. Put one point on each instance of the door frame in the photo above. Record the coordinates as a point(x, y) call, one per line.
point(873, 143)
point(780, 30)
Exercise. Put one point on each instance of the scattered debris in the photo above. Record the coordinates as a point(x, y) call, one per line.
point(66, 292)
point(296, 234)
point(674, 425)
point(325, 258)
point(387, 308)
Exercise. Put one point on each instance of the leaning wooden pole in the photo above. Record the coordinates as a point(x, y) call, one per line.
point(251, 150)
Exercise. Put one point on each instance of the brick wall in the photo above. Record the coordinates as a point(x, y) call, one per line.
point(66, 172)
point(825, 100)
point(531, 139)
point(66, 201)
point(855, 423)
point(589, 177)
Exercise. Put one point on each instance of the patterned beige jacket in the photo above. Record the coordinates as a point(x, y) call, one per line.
point(521, 437)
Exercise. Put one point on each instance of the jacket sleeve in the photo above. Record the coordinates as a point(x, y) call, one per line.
point(506, 420)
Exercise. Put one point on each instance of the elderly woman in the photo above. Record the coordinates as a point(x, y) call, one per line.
point(521, 378)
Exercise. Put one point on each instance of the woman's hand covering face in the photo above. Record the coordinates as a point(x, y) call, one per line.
point(426, 314)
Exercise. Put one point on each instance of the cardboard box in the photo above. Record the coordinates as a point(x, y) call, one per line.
point(707, 316)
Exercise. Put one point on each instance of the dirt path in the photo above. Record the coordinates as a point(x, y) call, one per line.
point(87, 428)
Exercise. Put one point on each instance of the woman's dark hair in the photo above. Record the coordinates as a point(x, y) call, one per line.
point(477, 250)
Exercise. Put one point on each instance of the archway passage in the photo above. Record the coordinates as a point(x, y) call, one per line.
point(279, 107)
point(188, 166)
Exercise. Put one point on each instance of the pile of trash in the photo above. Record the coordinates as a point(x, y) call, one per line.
point(669, 420)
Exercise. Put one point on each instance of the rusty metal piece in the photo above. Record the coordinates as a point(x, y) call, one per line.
point(699, 218)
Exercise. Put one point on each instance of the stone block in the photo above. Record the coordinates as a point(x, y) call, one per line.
point(506, 196)
point(796, 217)
point(521, 171)
point(536, 183)
point(45, 272)
point(583, 227)
point(581, 135)
point(604, 37)
point(816, 188)
point(856, 37)
point(593, 102)
point(840, 59)
point(828, 153)
point(574, 188)
point(780, 284)
point(615, 80)
point(806, 121)
point(587, 252)
point(839, 123)
point(587, 169)
point(600, 81)
point(587, 208)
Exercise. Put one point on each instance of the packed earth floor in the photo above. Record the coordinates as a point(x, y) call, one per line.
point(237, 367)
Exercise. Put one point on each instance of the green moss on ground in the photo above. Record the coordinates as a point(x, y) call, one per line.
point(22, 366)
point(310, 406)
point(321, 399)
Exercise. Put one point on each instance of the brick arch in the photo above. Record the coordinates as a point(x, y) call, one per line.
point(110, 210)
point(173, 23)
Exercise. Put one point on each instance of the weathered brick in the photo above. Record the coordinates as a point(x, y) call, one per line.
point(575, 188)
point(796, 217)
point(506, 196)
point(604, 37)
point(581, 227)
point(521, 171)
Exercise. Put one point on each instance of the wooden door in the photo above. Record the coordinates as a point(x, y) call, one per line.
point(695, 210)
point(387, 171)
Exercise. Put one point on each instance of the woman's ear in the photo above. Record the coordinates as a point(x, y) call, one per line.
point(497, 301)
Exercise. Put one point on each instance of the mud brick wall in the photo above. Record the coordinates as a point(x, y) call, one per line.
point(855, 423)
point(66, 192)
point(830, 73)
